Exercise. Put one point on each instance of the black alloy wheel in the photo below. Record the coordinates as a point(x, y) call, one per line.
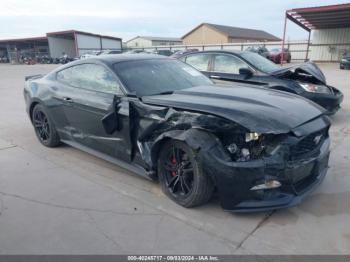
point(44, 128)
point(178, 171)
point(41, 125)
point(181, 175)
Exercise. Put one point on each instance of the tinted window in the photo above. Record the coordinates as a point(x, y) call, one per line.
point(261, 63)
point(89, 76)
point(228, 64)
point(155, 76)
point(199, 61)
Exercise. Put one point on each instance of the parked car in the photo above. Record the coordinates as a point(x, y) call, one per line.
point(156, 116)
point(183, 52)
point(137, 51)
point(64, 59)
point(275, 55)
point(4, 59)
point(110, 52)
point(261, 50)
point(306, 80)
point(345, 61)
point(163, 52)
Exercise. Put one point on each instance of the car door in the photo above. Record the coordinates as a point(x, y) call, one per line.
point(227, 68)
point(94, 90)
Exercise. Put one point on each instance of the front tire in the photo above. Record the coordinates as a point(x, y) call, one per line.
point(44, 127)
point(181, 175)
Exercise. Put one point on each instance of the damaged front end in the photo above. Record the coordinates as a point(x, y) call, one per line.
point(251, 171)
point(311, 83)
point(288, 167)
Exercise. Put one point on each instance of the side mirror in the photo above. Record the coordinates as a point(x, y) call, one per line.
point(246, 72)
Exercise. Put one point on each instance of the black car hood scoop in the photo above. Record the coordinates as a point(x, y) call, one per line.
point(257, 109)
point(308, 68)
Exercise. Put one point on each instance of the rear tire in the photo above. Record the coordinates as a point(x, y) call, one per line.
point(181, 175)
point(44, 127)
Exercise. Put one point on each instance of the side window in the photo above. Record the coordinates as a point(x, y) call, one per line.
point(200, 61)
point(90, 76)
point(228, 64)
point(66, 75)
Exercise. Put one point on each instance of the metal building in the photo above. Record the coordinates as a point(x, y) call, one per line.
point(12, 49)
point(329, 27)
point(73, 43)
point(147, 41)
point(76, 43)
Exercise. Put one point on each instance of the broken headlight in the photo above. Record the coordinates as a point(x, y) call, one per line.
point(245, 147)
point(315, 88)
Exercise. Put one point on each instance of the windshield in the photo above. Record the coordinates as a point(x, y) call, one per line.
point(157, 76)
point(260, 62)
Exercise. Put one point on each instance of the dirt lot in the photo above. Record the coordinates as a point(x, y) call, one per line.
point(64, 201)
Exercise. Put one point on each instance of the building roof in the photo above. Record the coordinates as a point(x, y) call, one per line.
point(158, 38)
point(238, 32)
point(321, 17)
point(67, 32)
point(27, 39)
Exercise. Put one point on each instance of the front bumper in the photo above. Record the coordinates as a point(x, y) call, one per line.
point(330, 102)
point(298, 179)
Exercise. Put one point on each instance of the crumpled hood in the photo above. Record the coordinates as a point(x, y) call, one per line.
point(257, 109)
point(308, 68)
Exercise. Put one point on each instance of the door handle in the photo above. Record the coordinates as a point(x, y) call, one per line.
point(216, 77)
point(68, 99)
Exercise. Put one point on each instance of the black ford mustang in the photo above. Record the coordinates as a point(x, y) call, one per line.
point(260, 149)
point(306, 79)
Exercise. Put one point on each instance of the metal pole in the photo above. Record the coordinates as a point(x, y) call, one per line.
point(284, 37)
point(76, 44)
point(307, 47)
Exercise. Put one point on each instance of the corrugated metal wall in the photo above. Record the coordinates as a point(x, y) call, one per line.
point(87, 43)
point(58, 46)
point(330, 44)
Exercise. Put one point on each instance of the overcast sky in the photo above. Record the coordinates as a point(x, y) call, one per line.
point(129, 18)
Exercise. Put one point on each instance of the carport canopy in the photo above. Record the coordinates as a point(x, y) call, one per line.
point(322, 17)
point(319, 17)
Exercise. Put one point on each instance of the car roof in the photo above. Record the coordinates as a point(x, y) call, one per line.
point(110, 59)
point(115, 58)
point(236, 52)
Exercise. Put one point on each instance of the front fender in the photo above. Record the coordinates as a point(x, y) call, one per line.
point(201, 141)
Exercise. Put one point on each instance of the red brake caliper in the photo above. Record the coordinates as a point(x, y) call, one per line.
point(173, 161)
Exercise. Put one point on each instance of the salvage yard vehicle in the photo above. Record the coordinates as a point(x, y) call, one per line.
point(345, 61)
point(305, 79)
point(261, 50)
point(183, 52)
point(276, 55)
point(259, 149)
